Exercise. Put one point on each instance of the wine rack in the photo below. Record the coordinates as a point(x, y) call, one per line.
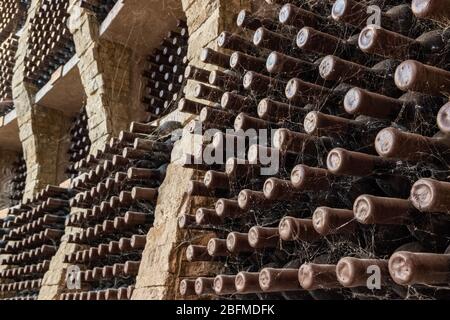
point(12, 17)
point(363, 170)
point(114, 210)
point(30, 236)
point(165, 74)
point(50, 42)
point(8, 50)
point(80, 144)
point(18, 180)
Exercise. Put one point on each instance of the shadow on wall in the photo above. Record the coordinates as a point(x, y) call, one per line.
point(6, 176)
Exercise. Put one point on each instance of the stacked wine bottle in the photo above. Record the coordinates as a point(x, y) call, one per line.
point(100, 8)
point(357, 207)
point(7, 53)
point(12, 16)
point(18, 180)
point(80, 144)
point(50, 42)
point(114, 210)
point(30, 236)
point(164, 74)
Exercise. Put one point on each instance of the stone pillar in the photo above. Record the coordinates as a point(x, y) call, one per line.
point(163, 261)
point(105, 69)
point(44, 136)
point(42, 130)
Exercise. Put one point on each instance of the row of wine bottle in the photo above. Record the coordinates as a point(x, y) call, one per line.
point(30, 236)
point(80, 143)
point(164, 74)
point(18, 180)
point(8, 50)
point(359, 187)
point(114, 210)
point(50, 42)
point(109, 207)
point(12, 16)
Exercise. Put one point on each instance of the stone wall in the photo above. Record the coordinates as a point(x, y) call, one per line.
point(7, 159)
point(45, 139)
point(106, 73)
